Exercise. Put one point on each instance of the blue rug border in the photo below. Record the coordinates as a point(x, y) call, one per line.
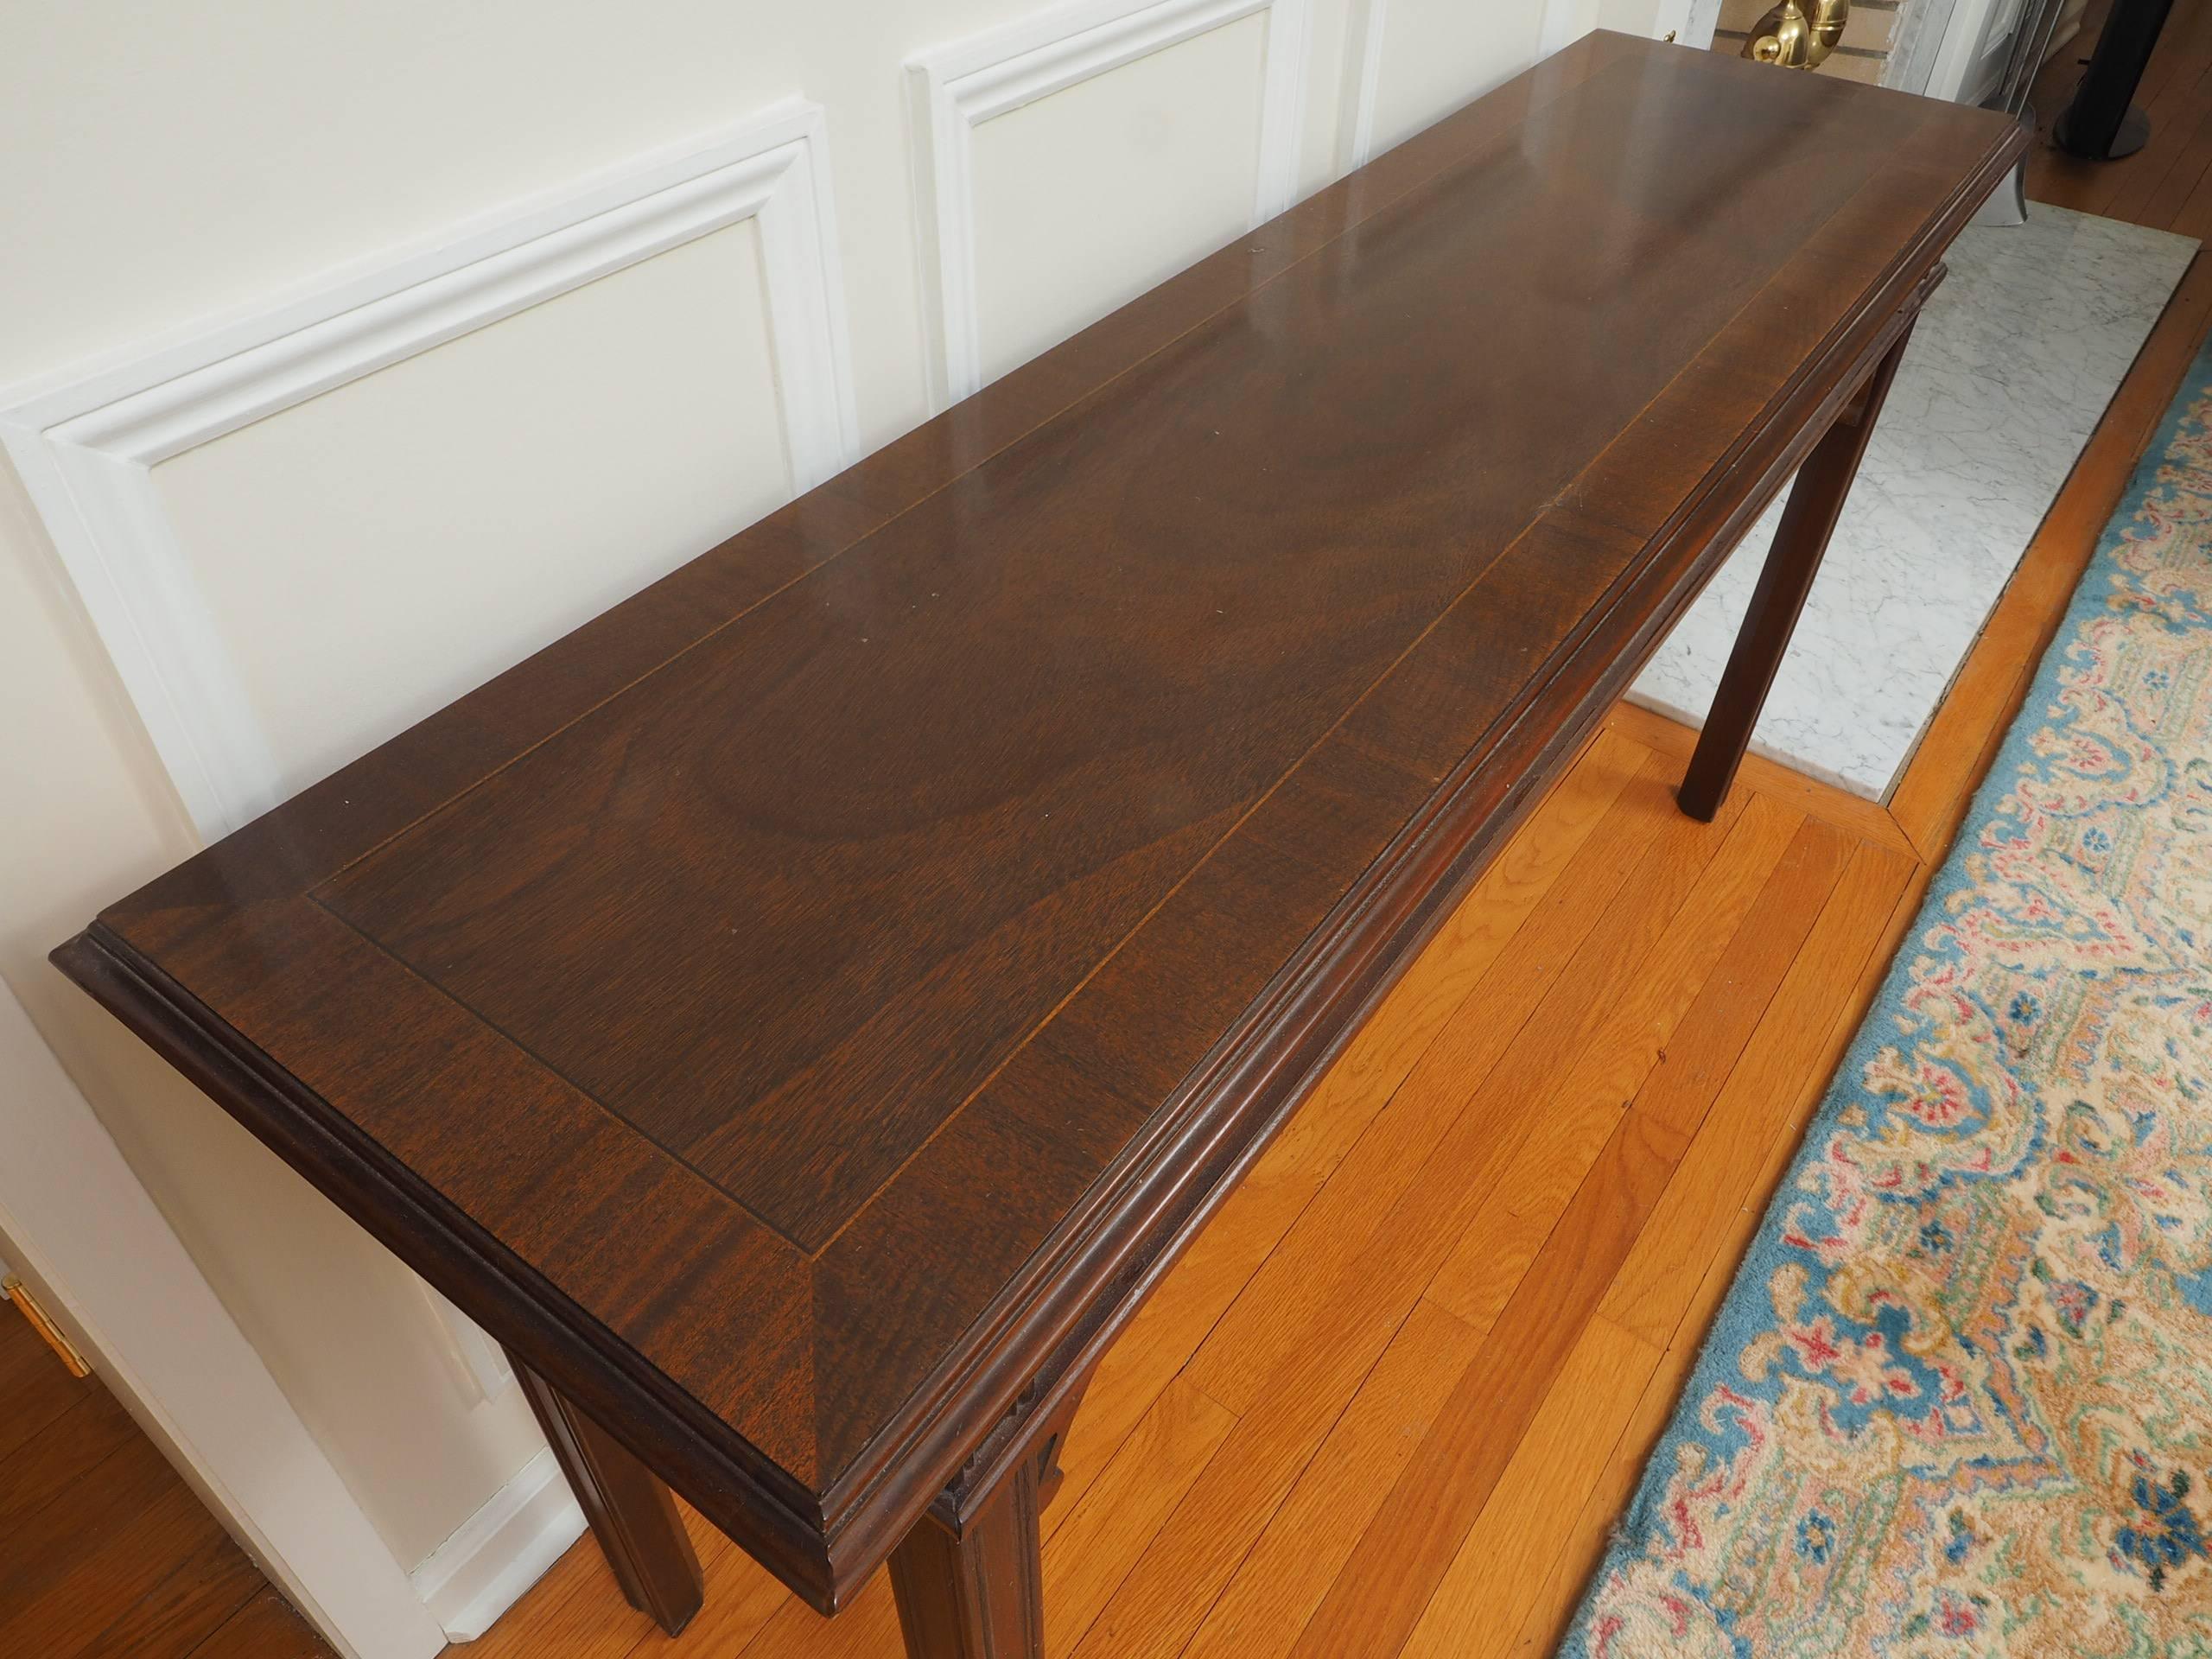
point(1743, 1311)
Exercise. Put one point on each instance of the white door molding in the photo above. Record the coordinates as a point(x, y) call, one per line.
point(86, 447)
point(1692, 22)
point(1950, 57)
point(164, 1343)
point(954, 89)
point(1919, 38)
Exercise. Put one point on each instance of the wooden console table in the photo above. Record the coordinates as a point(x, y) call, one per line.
point(802, 1013)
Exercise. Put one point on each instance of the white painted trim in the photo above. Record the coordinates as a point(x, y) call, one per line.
point(1693, 22)
point(86, 447)
point(1920, 36)
point(479, 1364)
point(954, 89)
point(165, 1343)
point(1364, 24)
point(1556, 31)
point(1704, 19)
point(500, 1551)
point(1951, 56)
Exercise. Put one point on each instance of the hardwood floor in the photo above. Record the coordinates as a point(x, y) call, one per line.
point(1395, 1397)
point(107, 1551)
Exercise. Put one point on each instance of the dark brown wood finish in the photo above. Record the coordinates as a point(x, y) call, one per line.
point(631, 1514)
point(803, 1012)
point(979, 1593)
point(1816, 505)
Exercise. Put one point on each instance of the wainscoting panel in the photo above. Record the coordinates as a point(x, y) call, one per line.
point(1086, 198)
point(1225, 99)
point(1412, 62)
point(754, 200)
point(456, 510)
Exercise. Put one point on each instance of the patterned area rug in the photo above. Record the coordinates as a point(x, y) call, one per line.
point(1959, 1399)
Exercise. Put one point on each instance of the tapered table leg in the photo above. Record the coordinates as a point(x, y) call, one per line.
point(978, 1594)
point(969, 1576)
point(1815, 504)
point(631, 1514)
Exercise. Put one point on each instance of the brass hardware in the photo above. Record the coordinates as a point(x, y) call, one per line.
point(1786, 36)
point(1671, 37)
point(19, 1294)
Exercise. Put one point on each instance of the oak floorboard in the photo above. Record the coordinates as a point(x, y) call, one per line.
point(1087, 1558)
point(1850, 924)
point(265, 1628)
point(1375, 1599)
point(113, 1539)
point(1651, 1287)
point(1581, 1108)
point(1496, 1577)
point(1645, 854)
point(1275, 1591)
point(1736, 995)
point(63, 1453)
point(35, 1390)
point(1188, 1306)
point(576, 1609)
point(741, 1598)
point(202, 1589)
point(1582, 1545)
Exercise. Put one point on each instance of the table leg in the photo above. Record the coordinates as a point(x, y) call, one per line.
point(972, 1587)
point(631, 1514)
point(979, 1593)
point(1815, 504)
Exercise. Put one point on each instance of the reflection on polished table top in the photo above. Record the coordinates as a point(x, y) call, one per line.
point(801, 1011)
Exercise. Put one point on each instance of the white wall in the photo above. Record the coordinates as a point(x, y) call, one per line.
point(350, 560)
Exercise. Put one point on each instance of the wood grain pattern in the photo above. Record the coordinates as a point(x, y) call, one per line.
point(803, 1013)
point(1801, 537)
point(1277, 1585)
point(108, 1553)
point(1496, 1577)
point(633, 1516)
point(35, 1390)
point(265, 1628)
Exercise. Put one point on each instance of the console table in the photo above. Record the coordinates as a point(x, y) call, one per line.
point(802, 1013)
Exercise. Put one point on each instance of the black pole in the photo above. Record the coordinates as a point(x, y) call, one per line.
point(2100, 124)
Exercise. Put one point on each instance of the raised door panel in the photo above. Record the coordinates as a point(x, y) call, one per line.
point(1088, 198)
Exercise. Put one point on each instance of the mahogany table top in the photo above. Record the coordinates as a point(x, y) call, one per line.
point(788, 1008)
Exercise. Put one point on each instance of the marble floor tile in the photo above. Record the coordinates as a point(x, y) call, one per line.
point(2008, 371)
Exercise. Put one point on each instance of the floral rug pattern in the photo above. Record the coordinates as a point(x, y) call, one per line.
point(1959, 1399)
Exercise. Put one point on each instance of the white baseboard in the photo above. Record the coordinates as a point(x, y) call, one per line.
point(500, 1551)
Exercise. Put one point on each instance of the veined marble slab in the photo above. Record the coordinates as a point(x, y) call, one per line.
point(2010, 367)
